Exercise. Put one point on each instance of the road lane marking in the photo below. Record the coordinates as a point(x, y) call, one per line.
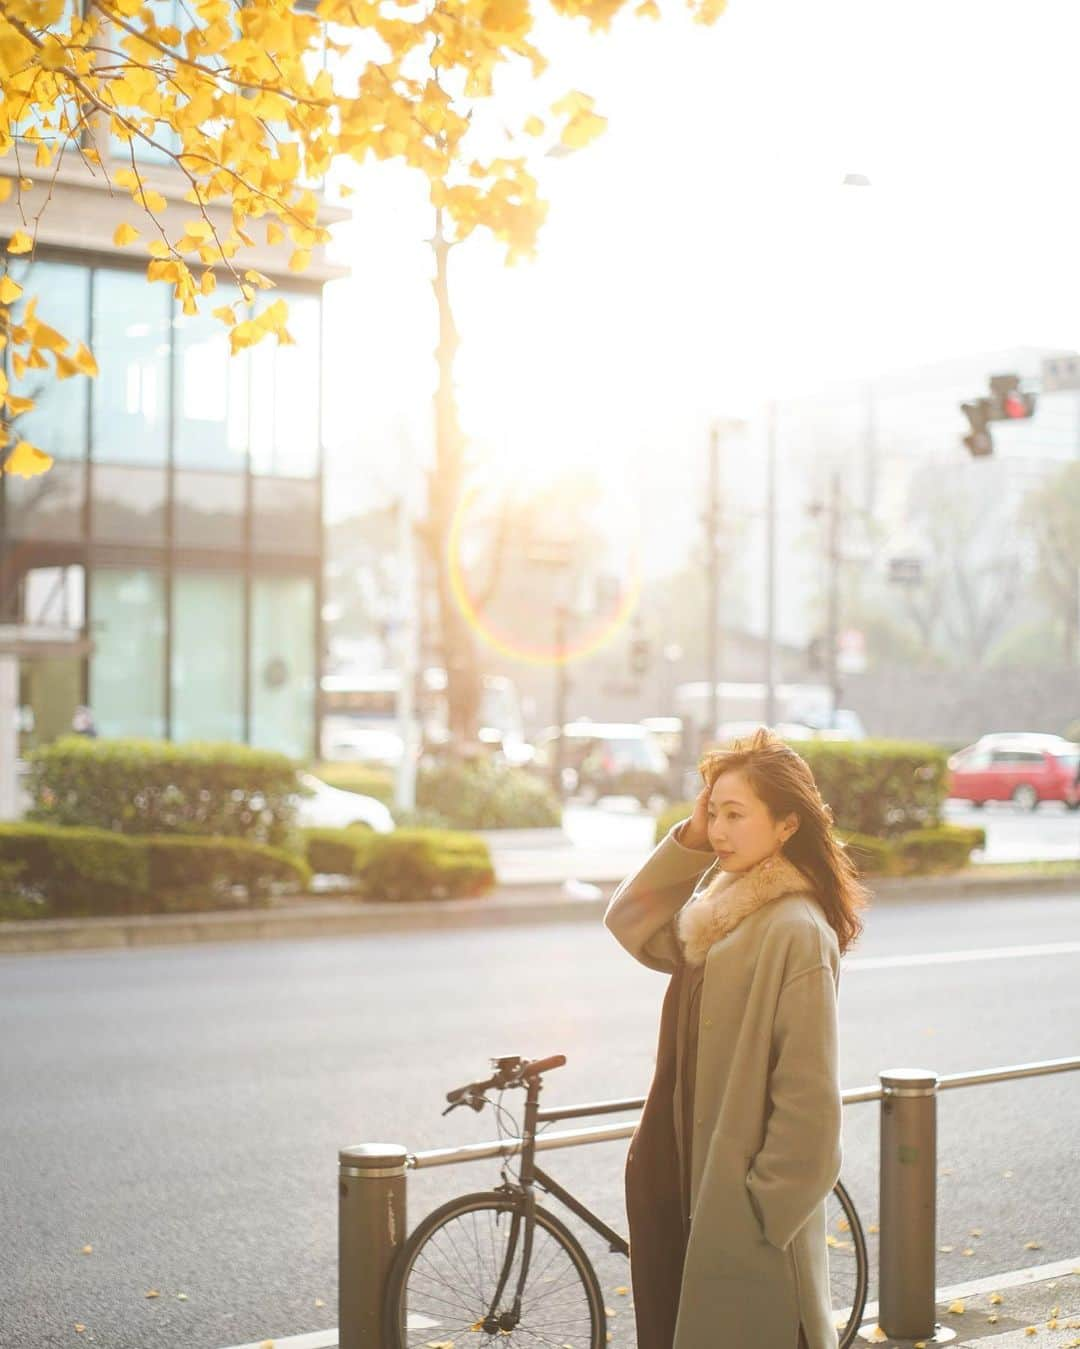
point(1060, 948)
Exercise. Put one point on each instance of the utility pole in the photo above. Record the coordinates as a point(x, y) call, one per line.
point(770, 569)
point(561, 680)
point(832, 623)
point(712, 550)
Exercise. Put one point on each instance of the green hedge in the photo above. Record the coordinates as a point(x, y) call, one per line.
point(77, 871)
point(872, 856)
point(367, 779)
point(678, 810)
point(337, 852)
point(879, 788)
point(154, 787)
point(417, 864)
point(924, 852)
point(477, 794)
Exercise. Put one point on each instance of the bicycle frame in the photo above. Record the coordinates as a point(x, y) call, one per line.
point(531, 1176)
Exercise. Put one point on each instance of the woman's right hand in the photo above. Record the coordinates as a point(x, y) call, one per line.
point(695, 832)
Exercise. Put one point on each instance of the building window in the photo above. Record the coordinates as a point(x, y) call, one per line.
point(207, 656)
point(127, 670)
point(128, 505)
point(57, 424)
point(285, 393)
point(208, 510)
point(48, 507)
point(285, 516)
point(210, 419)
point(283, 664)
point(130, 397)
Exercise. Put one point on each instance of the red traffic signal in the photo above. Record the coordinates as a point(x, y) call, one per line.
point(1018, 405)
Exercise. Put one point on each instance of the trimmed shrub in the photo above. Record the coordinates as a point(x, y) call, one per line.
point(75, 872)
point(337, 852)
point(417, 864)
point(927, 852)
point(879, 788)
point(154, 787)
point(671, 815)
point(872, 856)
point(477, 794)
point(187, 874)
point(367, 779)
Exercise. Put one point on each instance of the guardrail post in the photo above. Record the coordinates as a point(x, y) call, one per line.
point(371, 1227)
point(908, 1204)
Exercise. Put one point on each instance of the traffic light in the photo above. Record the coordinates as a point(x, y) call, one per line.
point(978, 415)
point(1007, 403)
point(639, 655)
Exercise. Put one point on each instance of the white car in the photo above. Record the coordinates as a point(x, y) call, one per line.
point(326, 807)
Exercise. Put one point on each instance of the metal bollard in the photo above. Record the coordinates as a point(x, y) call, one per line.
point(908, 1180)
point(371, 1228)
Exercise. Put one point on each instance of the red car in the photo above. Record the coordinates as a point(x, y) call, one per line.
point(1025, 770)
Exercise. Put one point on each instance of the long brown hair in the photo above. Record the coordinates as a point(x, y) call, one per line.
point(783, 780)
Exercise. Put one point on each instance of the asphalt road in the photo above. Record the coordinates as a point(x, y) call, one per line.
point(180, 1110)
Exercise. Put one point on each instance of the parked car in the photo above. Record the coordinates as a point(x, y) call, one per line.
point(321, 806)
point(608, 759)
point(1018, 767)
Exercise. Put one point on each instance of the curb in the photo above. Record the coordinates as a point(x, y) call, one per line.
point(544, 902)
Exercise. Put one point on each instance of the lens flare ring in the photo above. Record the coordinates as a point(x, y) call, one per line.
point(593, 641)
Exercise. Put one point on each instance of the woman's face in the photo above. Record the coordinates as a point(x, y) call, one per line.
point(742, 830)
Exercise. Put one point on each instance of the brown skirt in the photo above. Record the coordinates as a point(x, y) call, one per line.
point(659, 1225)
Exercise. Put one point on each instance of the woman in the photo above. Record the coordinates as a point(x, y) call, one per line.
point(748, 904)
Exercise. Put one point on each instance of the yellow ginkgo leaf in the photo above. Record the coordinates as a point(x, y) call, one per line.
point(622, 1291)
point(124, 234)
point(975, 1232)
point(300, 260)
point(27, 461)
point(945, 1249)
point(86, 1250)
point(10, 290)
point(20, 242)
point(1032, 1245)
point(274, 232)
point(153, 1292)
point(993, 1318)
point(84, 360)
point(7, 186)
point(17, 406)
point(79, 1327)
point(534, 126)
point(967, 1251)
point(875, 1336)
point(957, 1307)
point(996, 1299)
point(1031, 1330)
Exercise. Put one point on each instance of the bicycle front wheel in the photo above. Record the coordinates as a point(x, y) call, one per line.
point(457, 1276)
point(849, 1269)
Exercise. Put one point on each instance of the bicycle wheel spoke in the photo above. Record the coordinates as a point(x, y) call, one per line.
point(448, 1287)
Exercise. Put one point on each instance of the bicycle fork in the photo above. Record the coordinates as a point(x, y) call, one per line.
point(523, 1214)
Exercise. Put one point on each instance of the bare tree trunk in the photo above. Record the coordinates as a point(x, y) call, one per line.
point(445, 484)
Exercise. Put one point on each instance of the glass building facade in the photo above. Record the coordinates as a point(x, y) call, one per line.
point(181, 524)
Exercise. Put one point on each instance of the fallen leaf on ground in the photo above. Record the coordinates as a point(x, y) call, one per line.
point(1031, 1330)
point(957, 1307)
point(996, 1298)
point(992, 1318)
point(181, 1297)
point(975, 1232)
point(79, 1327)
point(873, 1229)
point(87, 1250)
point(1032, 1245)
point(622, 1292)
point(153, 1292)
point(876, 1336)
point(945, 1249)
point(319, 1302)
point(967, 1251)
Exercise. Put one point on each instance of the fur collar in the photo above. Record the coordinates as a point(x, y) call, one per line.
point(729, 898)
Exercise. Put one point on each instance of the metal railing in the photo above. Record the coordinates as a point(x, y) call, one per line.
point(372, 1183)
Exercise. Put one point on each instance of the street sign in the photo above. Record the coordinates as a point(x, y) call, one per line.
point(1060, 372)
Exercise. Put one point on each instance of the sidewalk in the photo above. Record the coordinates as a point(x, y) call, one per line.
point(1037, 1307)
point(323, 916)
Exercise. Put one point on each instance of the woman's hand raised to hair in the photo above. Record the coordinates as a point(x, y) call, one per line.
point(695, 832)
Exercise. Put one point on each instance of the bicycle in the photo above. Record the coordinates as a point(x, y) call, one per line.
point(494, 1266)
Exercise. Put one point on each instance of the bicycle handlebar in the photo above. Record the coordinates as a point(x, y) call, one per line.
point(511, 1072)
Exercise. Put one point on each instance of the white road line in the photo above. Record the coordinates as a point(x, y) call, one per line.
point(1060, 948)
point(315, 1339)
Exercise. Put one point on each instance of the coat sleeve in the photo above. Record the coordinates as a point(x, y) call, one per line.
point(641, 912)
point(799, 1161)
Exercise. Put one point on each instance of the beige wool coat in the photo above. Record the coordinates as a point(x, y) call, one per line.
point(766, 1148)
